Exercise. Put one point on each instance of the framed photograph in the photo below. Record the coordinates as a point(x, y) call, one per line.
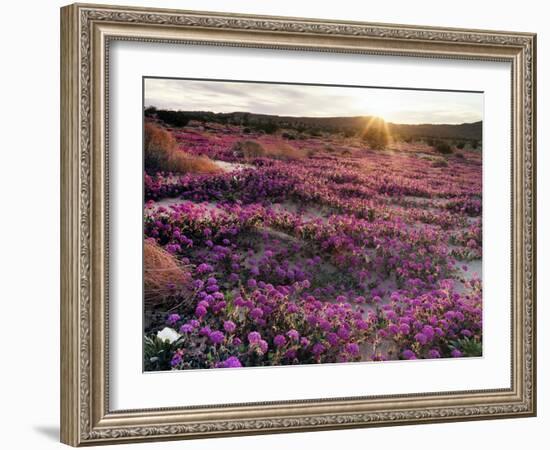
point(278, 224)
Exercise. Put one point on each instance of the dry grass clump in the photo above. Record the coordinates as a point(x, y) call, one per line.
point(249, 149)
point(282, 150)
point(277, 150)
point(164, 278)
point(159, 145)
point(185, 163)
point(162, 154)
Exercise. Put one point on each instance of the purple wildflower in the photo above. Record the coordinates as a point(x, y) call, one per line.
point(318, 348)
point(172, 319)
point(204, 268)
point(352, 348)
point(254, 337)
point(205, 331)
point(216, 337)
point(421, 338)
point(176, 359)
point(263, 346)
point(279, 340)
point(344, 333)
point(230, 362)
point(408, 354)
point(200, 311)
point(229, 326)
point(256, 313)
point(186, 328)
point(293, 334)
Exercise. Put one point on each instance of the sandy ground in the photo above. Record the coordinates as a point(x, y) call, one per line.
point(232, 167)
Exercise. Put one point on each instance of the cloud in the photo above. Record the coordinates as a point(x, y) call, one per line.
point(399, 106)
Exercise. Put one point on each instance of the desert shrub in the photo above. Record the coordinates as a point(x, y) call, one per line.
point(376, 140)
point(249, 149)
point(277, 150)
point(439, 162)
point(174, 118)
point(150, 111)
point(376, 135)
point(184, 163)
point(474, 144)
point(268, 127)
point(164, 278)
point(430, 142)
point(288, 135)
point(158, 145)
point(443, 148)
point(282, 150)
point(162, 154)
point(315, 132)
point(460, 145)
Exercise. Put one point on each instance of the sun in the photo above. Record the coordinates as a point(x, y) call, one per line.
point(380, 107)
point(380, 111)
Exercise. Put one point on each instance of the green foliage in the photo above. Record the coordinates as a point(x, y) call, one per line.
point(174, 118)
point(157, 353)
point(267, 127)
point(150, 111)
point(443, 147)
point(467, 346)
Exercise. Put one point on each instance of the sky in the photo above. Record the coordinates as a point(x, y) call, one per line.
point(393, 105)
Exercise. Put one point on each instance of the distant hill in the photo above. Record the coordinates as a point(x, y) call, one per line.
point(354, 124)
point(462, 131)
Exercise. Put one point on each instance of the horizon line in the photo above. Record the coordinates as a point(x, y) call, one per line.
point(313, 117)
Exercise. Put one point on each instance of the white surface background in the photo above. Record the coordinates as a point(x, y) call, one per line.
point(133, 389)
point(30, 227)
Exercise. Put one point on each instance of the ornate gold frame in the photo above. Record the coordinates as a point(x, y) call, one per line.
point(86, 31)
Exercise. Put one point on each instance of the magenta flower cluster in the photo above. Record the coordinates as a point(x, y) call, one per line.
point(331, 259)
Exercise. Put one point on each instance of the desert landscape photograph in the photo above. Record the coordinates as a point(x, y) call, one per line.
point(290, 224)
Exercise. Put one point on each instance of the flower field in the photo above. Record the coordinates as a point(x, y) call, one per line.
point(273, 249)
